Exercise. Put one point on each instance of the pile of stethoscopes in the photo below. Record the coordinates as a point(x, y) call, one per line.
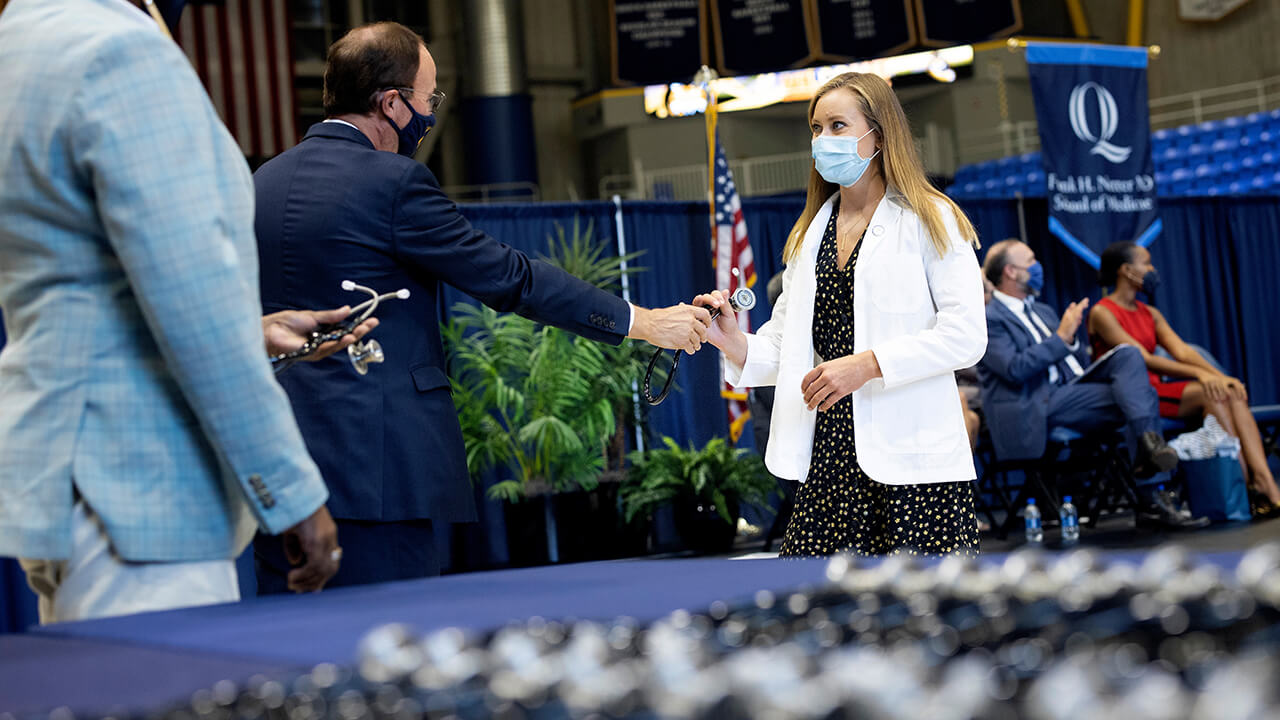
point(361, 354)
point(740, 300)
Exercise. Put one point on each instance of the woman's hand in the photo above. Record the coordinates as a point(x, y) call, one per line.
point(1236, 389)
point(831, 381)
point(724, 332)
point(1217, 387)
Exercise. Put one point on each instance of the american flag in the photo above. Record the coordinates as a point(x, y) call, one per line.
point(241, 51)
point(731, 250)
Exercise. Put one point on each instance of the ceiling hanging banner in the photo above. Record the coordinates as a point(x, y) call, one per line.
point(657, 41)
point(760, 36)
point(1095, 142)
point(964, 22)
point(849, 30)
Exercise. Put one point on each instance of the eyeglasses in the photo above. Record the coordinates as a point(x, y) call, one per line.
point(434, 102)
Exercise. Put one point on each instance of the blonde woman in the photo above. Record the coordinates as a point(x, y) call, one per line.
point(881, 304)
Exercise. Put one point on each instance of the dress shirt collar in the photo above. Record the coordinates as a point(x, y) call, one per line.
point(344, 122)
point(1011, 302)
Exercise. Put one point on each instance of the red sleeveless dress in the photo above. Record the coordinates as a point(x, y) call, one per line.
point(1141, 326)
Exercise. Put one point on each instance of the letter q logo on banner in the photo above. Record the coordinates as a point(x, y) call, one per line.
point(1108, 120)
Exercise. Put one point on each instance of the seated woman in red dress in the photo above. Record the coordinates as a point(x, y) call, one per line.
point(1201, 388)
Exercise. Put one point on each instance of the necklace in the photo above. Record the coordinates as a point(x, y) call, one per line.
point(849, 231)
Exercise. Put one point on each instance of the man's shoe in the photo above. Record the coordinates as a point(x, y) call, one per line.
point(1154, 456)
point(1164, 512)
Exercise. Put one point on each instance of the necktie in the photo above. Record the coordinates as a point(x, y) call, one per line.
point(1065, 369)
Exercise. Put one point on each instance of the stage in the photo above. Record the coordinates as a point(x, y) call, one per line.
point(144, 663)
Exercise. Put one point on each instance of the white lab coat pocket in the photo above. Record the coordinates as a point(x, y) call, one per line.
point(917, 418)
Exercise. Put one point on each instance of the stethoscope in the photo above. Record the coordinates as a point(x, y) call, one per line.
point(361, 354)
point(740, 300)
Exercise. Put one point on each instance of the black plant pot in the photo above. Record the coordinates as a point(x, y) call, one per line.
point(587, 525)
point(701, 528)
point(526, 526)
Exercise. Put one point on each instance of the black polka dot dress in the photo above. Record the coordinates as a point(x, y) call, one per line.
point(838, 507)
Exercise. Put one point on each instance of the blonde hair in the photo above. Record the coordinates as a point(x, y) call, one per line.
point(898, 162)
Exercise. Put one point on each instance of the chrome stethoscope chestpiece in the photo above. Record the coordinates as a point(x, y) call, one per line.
point(361, 354)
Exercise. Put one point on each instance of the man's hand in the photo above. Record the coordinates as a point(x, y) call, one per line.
point(313, 544)
point(1071, 318)
point(680, 327)
point(833, 380)
point(288, 330)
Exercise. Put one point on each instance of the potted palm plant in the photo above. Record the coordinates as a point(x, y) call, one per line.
point(705, 487)
point(547, 408)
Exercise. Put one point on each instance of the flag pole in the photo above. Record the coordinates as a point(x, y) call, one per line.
point(705, 79)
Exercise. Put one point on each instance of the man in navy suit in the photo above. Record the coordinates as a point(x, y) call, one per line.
point(349, 203)
point(1033, 379)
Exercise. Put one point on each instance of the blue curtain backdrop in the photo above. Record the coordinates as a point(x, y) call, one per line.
point(1218, 259)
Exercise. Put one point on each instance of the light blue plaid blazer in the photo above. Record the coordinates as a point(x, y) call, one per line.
point(135, 371)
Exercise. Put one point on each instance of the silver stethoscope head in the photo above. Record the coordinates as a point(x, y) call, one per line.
point(368, 352)
point(742, 298)
point(362, 354)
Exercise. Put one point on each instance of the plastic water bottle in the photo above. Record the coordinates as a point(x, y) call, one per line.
point(1070, 518)
point(1031, 514)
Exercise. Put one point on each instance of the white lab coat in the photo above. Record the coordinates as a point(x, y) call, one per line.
point(924, 318)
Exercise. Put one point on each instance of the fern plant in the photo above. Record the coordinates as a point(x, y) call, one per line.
point(536, 399)
point(718, 475)
point(579, 253)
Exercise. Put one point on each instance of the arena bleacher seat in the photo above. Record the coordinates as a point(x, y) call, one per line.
point(1235, 156)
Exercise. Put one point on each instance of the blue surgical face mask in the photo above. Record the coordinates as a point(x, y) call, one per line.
point(414, 131)
point(1150, 282)
point(837, 158)
point(1035, 278)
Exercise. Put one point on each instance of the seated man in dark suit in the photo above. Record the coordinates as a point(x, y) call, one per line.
point(348, 203)
point(1033, 379)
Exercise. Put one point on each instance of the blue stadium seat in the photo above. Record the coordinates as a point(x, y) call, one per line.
point(1224, 146)
point(1266, 413)
point(1035, 184)
point(1260, 183)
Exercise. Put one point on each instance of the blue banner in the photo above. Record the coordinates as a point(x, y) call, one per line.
point(1095, 141)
